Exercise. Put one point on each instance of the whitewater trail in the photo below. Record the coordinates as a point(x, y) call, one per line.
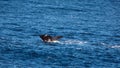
point(71, 42)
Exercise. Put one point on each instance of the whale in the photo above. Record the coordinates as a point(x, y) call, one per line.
point(48, 38)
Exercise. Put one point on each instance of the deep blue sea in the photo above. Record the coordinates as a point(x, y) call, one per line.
point(90, 30)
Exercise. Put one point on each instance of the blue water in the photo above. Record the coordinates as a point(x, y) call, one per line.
point(90, 30)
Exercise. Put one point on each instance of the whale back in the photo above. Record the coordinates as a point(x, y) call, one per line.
point(48, 38)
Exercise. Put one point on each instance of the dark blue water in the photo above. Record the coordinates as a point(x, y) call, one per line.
point(90, 30)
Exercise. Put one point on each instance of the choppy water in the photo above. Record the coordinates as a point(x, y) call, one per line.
point(91, 30)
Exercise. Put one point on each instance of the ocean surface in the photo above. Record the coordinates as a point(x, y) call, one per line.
point(90, 30)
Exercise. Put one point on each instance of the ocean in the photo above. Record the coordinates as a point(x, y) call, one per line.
point(90, 30)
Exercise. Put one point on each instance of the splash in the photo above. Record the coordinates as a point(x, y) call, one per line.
point(71, 42)
point(56, 41)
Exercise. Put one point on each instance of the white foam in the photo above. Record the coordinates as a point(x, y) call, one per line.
point(116, 46)
point(54, 41)
point(77, 42)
